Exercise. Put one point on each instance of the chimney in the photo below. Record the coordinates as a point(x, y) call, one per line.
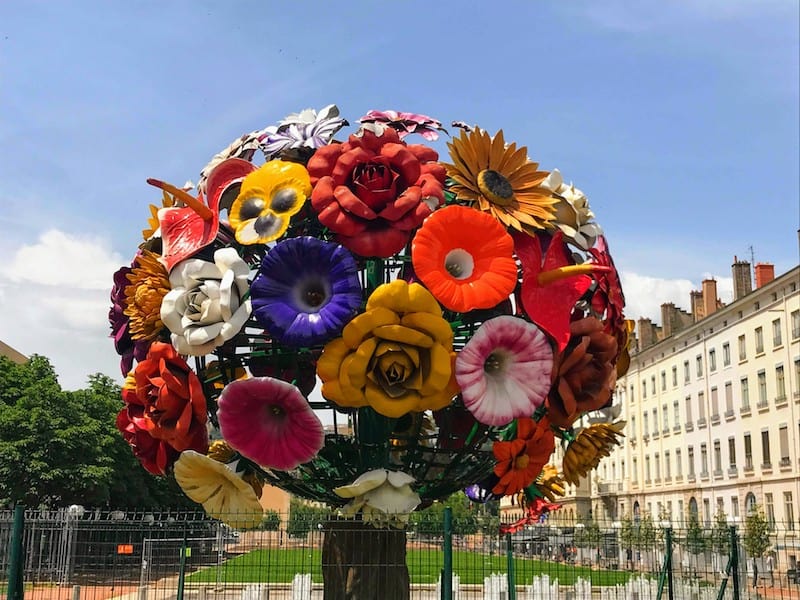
point(646, 337)
point(765, 272)
point(666, 318)
point(742, 281)
point(710, 301)
point(696, 302)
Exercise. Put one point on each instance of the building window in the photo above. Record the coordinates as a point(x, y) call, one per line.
point(676, 415)
point(647, 469)
point(678, 463)
point(788, 510)
point(712, 360)
point(717, 458)
point(688, 404)
point(795, 324)
point(748, 453)
point(777, 338)
point(699, 363)
point(644, 389)
point(766, 461)
point(728, 399)
point(726, 354)
point(703, 460)
point(653, 385)
point(762, 390)
point(664, 418)
point(663, 381)
point(658, 466)
point(714, 404)
point(780, 384)
point(674, 376)
point(735, 507)
point(633, 427)
point(769, 505)
point(745, 394)
point(690, 456)
point(635, 470)
point(645, 430)
point(667, 466)
point(732, 453)
point(706, 512)
point(701, 408)
point(686, 377)
point(655, 421)
point(742, 348)
point(759, 340)
point(633, 398)
point(783, 443)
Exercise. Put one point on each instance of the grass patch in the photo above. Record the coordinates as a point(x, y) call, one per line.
point(279, 565)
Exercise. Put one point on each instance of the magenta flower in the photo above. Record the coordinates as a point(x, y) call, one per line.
point(504, 371)
point(404, 123)
point(269, 421)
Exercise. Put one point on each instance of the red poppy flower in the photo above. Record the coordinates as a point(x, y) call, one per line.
point(166, 400)
point(155, 455)
point(520, 461)
point(608, 300)
point(372, 191)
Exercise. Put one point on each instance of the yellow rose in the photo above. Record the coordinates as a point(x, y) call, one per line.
point(396, 357)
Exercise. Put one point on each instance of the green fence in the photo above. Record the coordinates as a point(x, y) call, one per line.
point(77, 553)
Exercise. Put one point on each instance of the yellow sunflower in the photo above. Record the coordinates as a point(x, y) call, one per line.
point(149, 283)
point(500, 179)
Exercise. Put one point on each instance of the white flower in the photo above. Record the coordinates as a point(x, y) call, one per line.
point(573, 215)
point(204, 309)
point(383, 497)
point(307, 129)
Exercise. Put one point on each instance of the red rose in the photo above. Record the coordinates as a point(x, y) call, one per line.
point(166, 400)
point(155, 455)
point(373, 191)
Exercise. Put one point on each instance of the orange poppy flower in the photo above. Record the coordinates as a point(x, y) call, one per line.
point(520, 461)
point(465, 258)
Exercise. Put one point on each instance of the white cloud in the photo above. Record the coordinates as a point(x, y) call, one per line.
point(54, 296)
point(644, 295)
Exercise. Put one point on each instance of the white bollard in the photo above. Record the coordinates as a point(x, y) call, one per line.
point(142, 592)
point(301, 586)
point(495, 587)
point(76, 592)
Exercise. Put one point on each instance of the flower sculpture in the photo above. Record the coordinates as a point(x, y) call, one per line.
point(269, 422)
point(395, 357)
point(306, 291)
point(373, 191)
point(461, 314)
point(206, 304)
point(381, 496)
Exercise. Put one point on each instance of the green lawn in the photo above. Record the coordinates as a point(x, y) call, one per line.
point(280, 566)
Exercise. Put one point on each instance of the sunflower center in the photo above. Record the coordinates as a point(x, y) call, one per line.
point(495, 187)
point(459, 263)
point(493, 363)
point(521, 462)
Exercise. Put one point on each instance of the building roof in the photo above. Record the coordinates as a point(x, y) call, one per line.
point(9, 352)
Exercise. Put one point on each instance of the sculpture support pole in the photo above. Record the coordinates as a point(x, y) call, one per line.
point(361, 562)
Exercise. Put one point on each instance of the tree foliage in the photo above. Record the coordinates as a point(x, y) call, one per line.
point(62, 447)
point(720, 533)
point(466, 517)
point(304, 517)
point(271, 520)
point(756, 533)
point(587, 536)
point(696, 542)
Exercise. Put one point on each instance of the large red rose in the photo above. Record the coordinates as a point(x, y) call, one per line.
point(166, 400)
point(373, 191)
point(155, 455)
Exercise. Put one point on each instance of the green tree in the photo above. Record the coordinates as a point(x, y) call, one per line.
point(696, 542)
point(645, 537)
point(720, 534)
point(59, 448)
point(271, 520)
point(587, 536)
point(756, 533)
point(304, 517)
point(465, 517)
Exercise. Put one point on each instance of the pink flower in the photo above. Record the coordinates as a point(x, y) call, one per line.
point(505, 370)
point(404, 123)
point(270, 422)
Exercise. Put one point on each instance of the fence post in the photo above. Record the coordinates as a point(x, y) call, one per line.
point(666, 572)
point(512, 583)
point(182, 569)
point(15, 567)
point(735, 562)
point(447, 570)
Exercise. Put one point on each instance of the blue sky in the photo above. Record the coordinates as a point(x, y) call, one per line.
point(679, 120)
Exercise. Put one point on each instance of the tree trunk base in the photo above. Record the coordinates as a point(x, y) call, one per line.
point(361, 562)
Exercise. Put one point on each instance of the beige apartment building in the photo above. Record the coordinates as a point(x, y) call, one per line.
point(712, 404)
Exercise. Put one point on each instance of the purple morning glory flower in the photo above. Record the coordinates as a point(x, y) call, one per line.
point(481, 492)
point(306, 291)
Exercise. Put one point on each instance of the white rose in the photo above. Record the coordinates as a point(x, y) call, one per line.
point(204, 309)
point(573, 215)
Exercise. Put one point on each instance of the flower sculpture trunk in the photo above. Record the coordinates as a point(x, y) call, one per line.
point(462, 318)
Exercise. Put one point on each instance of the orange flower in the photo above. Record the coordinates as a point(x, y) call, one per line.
point(465, 258)
point(148, 284)
point(166, 400)
point(520, 461)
